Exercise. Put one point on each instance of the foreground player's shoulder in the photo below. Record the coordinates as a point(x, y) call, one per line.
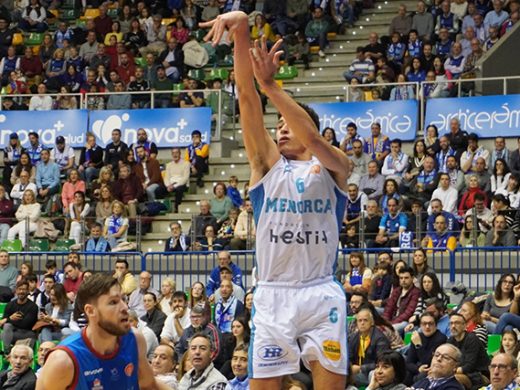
point(58, 372)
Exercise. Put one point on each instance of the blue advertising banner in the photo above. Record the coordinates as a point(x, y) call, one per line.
point(166, 127)
point(398, 119)
point(487, 116)
point(71, 124)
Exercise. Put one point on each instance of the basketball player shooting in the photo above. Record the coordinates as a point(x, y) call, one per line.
point(297, 187)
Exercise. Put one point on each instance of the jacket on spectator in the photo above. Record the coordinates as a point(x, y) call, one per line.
point(154, 172)
point(26, 381)
point(396, 314)
point(449, 384)
point(128, 189)
point(214, 278)
point(378, 343)
point(475, 360)
point(422, 354)
point(226, 312)
point(95, 156)
point(209, 330)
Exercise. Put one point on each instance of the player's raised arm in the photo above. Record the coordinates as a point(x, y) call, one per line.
point(146, 378)
point(265, 65)
point(260, 147)
point(57, 373)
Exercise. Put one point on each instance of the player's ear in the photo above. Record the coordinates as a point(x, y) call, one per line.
point(89, 310)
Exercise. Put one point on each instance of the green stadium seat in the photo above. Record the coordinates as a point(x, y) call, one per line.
point(494, 341)
point(63, 245)
point(34, 39)
point(113, 13)
point(178, 87)
point(12, 245)
point(286, 72)
point(3, 305)
point(167, 203)
point(140, 61)
point(227, 61)
point(407, 338)
point(81, 23)
point(218, 73)
point(199, 34)
point(197, 74)
point(452, 306)
point(350, 319)
point(69, 14)
point(68, 4)
point(39, 245)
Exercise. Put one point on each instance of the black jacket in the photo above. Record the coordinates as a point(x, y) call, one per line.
point(422, 354)
point(378, 343)
point(26, 381)
point(178, 61)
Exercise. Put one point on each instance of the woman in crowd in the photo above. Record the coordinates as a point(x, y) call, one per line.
point(6, 214)
point(116, 32)
point(330, 136)
point(26, 269)
point(198, 297)
point(474, 322)
point(262, 29)
point(390, 190)
point(226, 232)
point(420, 264)
point(500, 177)
point(415, 162)
point(116, 226)
point(179, 32)
point(209, 242)
point(28, 209)
point(47, 49)
point(104, 205)
point(398, 265)
point(154, 317)
point(240, 335)
point(135, 37)
point(499, 302)
point(167, 290)
point(402, 91)
point(57, 314)
point(468, 198)
point(511, 191)
point(248, 306)
point(64, 101)
point(430, 288)
point(56, 68)
point(469, 239)
point(79, 211)
point(24, 163)
point(416, 72)
point(431, 140)
point(220, 203)
point(106, 178)
point(509, 344)
point(359, 278)
point(125, 18)
point(70, 187)
point(389, 373)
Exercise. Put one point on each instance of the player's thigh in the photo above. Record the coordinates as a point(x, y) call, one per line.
point(273, 350)
point(323, 335)
point(325, 379)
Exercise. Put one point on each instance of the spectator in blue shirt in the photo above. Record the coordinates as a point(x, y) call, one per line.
point(496, 17)
point(35, 148)
point(224, 260)
point(47, 176)
point(443, 45)
point(392, 225)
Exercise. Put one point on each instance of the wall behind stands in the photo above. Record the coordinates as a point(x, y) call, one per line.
point(502, 60)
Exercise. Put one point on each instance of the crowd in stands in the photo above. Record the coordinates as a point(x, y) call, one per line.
point(439, 42)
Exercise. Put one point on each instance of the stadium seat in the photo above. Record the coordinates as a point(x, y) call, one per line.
point(167, 203)
point(113, 13)
point(494, 341)
point(314, 49)
point(12, 245)
point(452, 306)
point(167, 21)
point(17, 39)
point(407, 338)
point(39, 245)
point(54, 12)
point(178, 87)
point(286, 72)
point(69, 15)
point(2, 308)
point(34, 39)
point(90, 13)
point(68, 4)
point(63, 245)
point(140, 61)
point(350, 319)
point(331, 35)
point(81, 23)
point(199, 34)
point(218, 73)
point(197, 74)
point(227, 61)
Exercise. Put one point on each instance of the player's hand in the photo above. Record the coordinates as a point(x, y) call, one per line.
point(265, 63)
point(228, 21)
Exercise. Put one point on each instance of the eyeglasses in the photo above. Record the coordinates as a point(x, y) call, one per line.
point(507, 282)
point(427, 323)
point(499, 367)
point(443, 356)
point(456, 323)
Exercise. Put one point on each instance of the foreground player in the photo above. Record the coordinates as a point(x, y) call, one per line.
point(106, 354)
point(298, 191)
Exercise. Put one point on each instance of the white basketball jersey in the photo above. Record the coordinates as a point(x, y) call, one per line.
point(298, 210)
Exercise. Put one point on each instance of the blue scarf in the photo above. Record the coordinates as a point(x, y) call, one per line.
point(355, 277)
point(225, 313)
point(114, 224)
point(100, 246)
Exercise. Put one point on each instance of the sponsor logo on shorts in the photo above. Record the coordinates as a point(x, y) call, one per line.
point(271, 352)
point(332, 350)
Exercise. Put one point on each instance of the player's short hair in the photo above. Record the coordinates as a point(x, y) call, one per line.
point(97, 285)
point(310, 111)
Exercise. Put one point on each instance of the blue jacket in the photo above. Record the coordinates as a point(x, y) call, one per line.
point(214, 278)
point(47, 175)
point(225, 313)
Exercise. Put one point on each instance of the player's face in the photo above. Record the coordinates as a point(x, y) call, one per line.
point(288, 145)
point(239, 363)
point(112, 313)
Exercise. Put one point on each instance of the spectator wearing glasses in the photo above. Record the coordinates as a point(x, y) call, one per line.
point(441, 376)
point(503, 370)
